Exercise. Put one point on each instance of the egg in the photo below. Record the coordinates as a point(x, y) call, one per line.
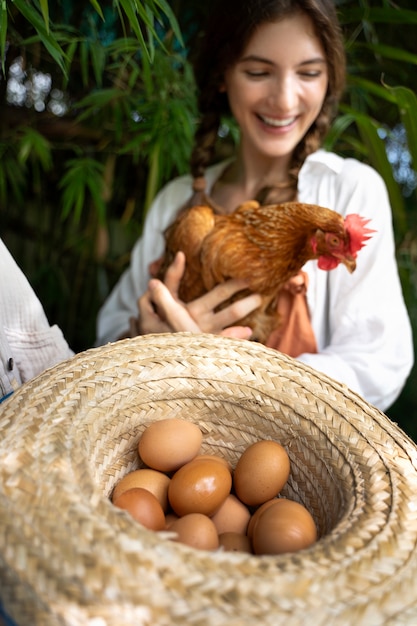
point(261, 472)
point(143, 506)
point(256, 514)
point(167, 444)
point(200, 486)
point(285, 526)
point(196, 530)
point(234, 542)
point(213, 457)
point(232, 516)
point(154, 481)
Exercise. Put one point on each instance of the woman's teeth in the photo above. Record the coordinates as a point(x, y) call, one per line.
point(277, 123)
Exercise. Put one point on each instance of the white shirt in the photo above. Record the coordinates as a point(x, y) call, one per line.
point(360, 320)
point(28, 344)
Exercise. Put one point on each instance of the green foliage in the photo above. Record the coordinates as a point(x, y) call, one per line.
point(380, 98)
point(139, 17)
point(406, 101)
point(125, 126)
point(148, 112)
point(374, 101)
point(136, 99)
point(12, 176)
point(83, 175)
point(33, 146)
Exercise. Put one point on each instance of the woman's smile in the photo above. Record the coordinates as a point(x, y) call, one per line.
point(275, 122)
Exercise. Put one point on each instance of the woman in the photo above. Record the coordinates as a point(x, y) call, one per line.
point(279, 67)
point(28, 344)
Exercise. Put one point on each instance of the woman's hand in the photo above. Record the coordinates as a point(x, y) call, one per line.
point(160, 309)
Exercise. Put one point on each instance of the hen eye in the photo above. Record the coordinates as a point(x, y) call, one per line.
point(333, 240)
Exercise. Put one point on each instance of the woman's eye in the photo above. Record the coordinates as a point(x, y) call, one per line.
point(311, 74)
point(256, 73)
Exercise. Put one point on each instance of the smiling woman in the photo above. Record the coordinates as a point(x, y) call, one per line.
point(278, 67)
point(275, 92)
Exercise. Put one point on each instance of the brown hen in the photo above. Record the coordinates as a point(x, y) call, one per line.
point(265, 245)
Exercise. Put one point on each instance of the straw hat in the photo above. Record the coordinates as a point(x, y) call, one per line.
point(68, 556)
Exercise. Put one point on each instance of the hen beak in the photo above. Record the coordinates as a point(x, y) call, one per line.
point(349, 262)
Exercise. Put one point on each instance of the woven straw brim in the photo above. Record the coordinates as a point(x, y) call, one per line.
point(68, 556)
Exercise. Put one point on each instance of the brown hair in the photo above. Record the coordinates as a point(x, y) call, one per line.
point(229, 29)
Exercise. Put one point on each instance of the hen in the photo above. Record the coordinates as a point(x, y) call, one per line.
point(265, 245)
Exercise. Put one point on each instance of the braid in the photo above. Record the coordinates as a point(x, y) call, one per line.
point(212, 105)
point(204, 143)
point(203, 152)
point(313, 140)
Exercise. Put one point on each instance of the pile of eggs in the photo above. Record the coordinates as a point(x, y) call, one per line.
point(207, 505)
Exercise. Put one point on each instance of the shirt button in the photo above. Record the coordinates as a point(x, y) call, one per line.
point(10, 364)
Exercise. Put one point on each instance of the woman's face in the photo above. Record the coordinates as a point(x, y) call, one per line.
point(276, 89)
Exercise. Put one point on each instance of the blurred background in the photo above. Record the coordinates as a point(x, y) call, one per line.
point(98, 111)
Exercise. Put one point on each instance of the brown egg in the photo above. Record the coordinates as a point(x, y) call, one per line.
point(261, 472)
point(199, 487)
point(143, 507)
point(152, 480)
point(235, 542)
point(285, 526)
point(256, 514)
point(213, 457)
point(232, 516)
point(167, 444)
point(196, 530)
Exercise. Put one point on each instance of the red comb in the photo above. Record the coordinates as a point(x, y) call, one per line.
point(358, 232)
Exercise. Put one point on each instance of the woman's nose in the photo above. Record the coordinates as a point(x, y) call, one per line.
point(283, 94)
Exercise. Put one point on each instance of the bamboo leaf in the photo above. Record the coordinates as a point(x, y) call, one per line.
point(171, 18)
point(377, 154)
point(3, 33)
point(12, 175)
point(407, 104)
point(98, 100)
point(391, 52)
point(369, 86)
point(101, 98)
point(34, 145)
point(339, 127)
point(150, 31)
point(48, 40)
point(84, 176)
point(69, 56)
point(153, 177)
point(97, 8)
point(134, 76)
point(98, 60)
point(45, 13)
point(133, 21)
